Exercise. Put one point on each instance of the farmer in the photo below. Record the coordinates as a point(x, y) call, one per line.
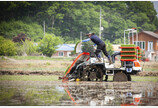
point(100, 46)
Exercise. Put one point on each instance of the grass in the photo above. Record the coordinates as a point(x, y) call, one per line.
point(28, 78)
point(41, 58)
point(140, 78)
point(34, 69)
point(55, 78)
point(150, 69)
point(34, 65)
point(145, 78)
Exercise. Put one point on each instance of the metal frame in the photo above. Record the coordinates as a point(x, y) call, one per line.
point(129, 32)
point(108, 73)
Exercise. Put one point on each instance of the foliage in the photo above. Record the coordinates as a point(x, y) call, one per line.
point(7, 47)
point(145, 7)
point(67, 19)
point(74, 52)
point(12, 28)
point(21, 37)
point(109, 47)
point(27, 48)
point(49, 43)
point(149, 27)
point(118, 41)
point(88, 47)
point(42, 58)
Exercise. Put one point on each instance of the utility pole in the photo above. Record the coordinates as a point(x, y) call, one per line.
point(44, 27)
point(100, 25)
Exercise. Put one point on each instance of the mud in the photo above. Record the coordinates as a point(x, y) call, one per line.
point(148, 73)
point(52, 67)
point(60, 73)
point(56, 93)
point(20, 72)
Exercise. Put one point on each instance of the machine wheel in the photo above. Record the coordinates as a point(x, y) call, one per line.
point(99, 74)
point(84, 74)
point(92, 76)
point(120, 77)
point(93, 73)
point(129, 77)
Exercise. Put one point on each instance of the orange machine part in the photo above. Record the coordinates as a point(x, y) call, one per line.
point(127, 51)
point(129, 47)
point(137, 100)
point(137, 64)
point(128, 55)
point(84, 53)
point(128, 59)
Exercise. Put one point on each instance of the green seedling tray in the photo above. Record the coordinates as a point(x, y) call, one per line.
point(128, 53)
point(130, 45)
point(126, 49)
point(131, 57)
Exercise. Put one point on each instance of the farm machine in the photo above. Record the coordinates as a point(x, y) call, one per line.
point(87, 68)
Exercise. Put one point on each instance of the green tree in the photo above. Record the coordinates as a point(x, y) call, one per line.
point(12, 28)
point(155, 22)
point(88, 47)
point(140, 19)
point(7, 47)
point(146, 7)
point(117, 25)
point(49, 43)
point(67, 19)
point(148, 27)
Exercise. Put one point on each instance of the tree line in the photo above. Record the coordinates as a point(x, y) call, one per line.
point(66, 19)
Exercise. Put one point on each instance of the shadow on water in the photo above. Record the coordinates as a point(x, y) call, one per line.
point(36, 93)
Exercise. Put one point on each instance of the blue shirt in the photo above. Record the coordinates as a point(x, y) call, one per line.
point(96, 39)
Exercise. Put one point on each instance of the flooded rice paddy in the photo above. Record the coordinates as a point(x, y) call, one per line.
point(55, 93)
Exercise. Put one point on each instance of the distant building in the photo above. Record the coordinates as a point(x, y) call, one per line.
point(64, 50)
point(148, 42)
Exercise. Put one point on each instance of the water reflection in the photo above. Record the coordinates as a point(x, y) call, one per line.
point(78, 93)
point(124, 94)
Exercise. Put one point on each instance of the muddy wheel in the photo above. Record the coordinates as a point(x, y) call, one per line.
point(84, 74)
point(120, 77)
point(99, 74)
point(129, 77)
point(92, 76)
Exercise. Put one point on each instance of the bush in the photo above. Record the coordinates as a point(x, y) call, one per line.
point(7, 47)
point(88, 47)
point(27, 48)
point(48, 44)
point(21, 37)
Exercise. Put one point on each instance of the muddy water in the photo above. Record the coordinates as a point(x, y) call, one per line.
point(37, 93)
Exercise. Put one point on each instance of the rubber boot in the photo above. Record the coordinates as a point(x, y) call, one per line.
point(99, 59)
